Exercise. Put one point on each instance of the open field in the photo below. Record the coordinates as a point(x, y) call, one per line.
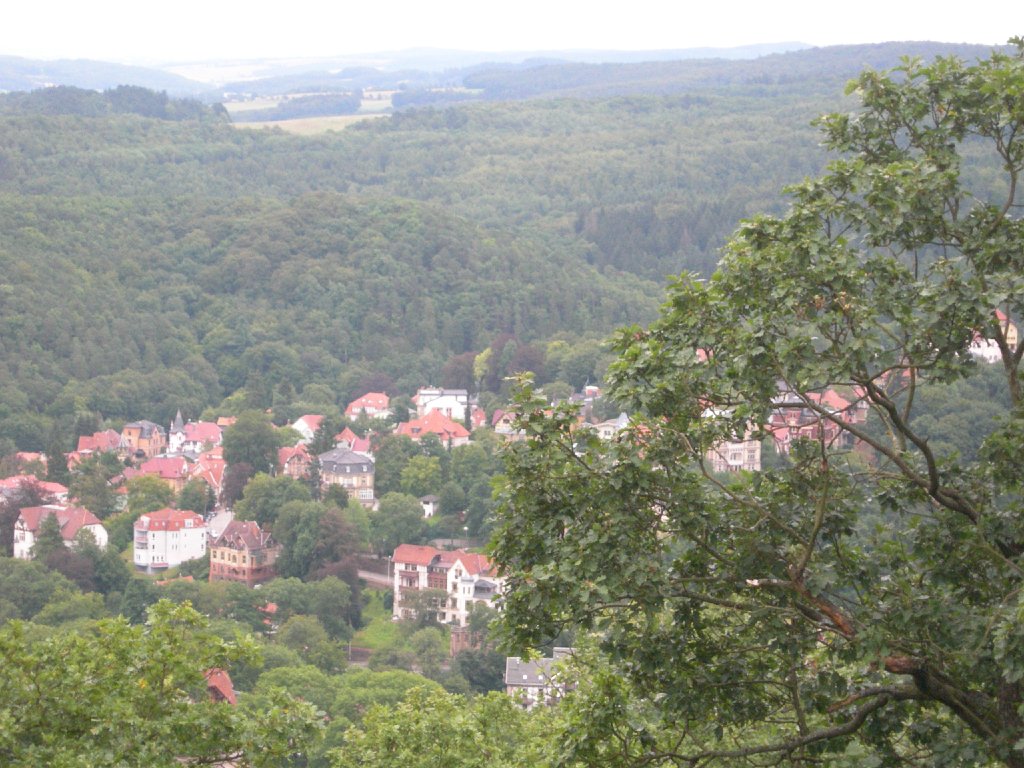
point(244, 106)
point(310, 126)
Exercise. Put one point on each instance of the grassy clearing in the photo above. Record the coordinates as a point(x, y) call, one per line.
point(380, 631)
point(311, 126)
point(244, 106)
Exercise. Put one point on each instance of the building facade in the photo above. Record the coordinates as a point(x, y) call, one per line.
point(244, 553)
point(168, 537)
point(465, 578)
point(71, 521)
point(352, 471)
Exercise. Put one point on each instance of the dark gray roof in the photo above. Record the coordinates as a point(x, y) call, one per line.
point(341, 457)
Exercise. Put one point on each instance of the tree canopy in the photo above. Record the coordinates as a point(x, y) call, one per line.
point(861, 601)
point(136, 696)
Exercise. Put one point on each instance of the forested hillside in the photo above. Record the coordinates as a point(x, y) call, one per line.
point(151, 262)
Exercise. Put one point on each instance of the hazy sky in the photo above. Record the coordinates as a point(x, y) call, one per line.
point(155, 31)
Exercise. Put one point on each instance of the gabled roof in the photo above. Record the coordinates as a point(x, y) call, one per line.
point(474, 563)
point(71, 519)
point(14, 482)
point(311, 422)
point(202, 432)
point(244, 534)
point(210, 467)
point(107, 440)
point(435, 423)
point(371, 401)
point(415, 554)
point(168, 519)
point(352, 440)
point(219, 686)
point(298, 452)
point(165, 467)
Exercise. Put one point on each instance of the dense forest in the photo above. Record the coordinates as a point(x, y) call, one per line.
point(156, 258)
point(858, 602)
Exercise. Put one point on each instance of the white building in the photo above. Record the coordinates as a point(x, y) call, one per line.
point(449, 402)
point(536, 682)
point(465, 577)
point(307, 426)
point(168, 537)
point(71, 521)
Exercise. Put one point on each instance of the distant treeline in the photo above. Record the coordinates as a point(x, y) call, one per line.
point(122, 100)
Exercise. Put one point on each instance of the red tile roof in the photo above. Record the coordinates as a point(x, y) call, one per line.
point(219, 686)
point(166, 467)
point(202, 432)
point(167, 519)
point(372, 402)
point(50, 489)
point(244, 534)
point(435, 423)
point(286, 454)
point(107, 440)
point(71, 519)
point(415, 554)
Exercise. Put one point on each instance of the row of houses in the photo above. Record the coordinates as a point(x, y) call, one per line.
point(239, 549)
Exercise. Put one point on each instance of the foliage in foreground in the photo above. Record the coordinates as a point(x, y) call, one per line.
point(123, 695)
point(845, 603)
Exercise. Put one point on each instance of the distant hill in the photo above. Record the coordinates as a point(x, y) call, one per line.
point(546, 75)
point(435, 76)
point(19, 74)
point(820, 69)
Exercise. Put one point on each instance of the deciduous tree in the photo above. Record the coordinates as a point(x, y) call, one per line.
point(862, 602)
point(136, 695)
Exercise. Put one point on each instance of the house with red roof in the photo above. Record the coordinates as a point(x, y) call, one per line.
point(466, 577)
point(71, 521)
point(192, 437)
point(168, 537)
point(376, 405)
point(349, 439)
point(219, 687)
point(173, 470)
point(245, 553)
point(294, 461)
point(99, 442)
point(14, 483)
point(210, 467)
point(307, 426)
point(986, 348)
point(815, 416)
point(451, 433)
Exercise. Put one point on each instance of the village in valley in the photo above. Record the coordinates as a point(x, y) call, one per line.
point(435, 567)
